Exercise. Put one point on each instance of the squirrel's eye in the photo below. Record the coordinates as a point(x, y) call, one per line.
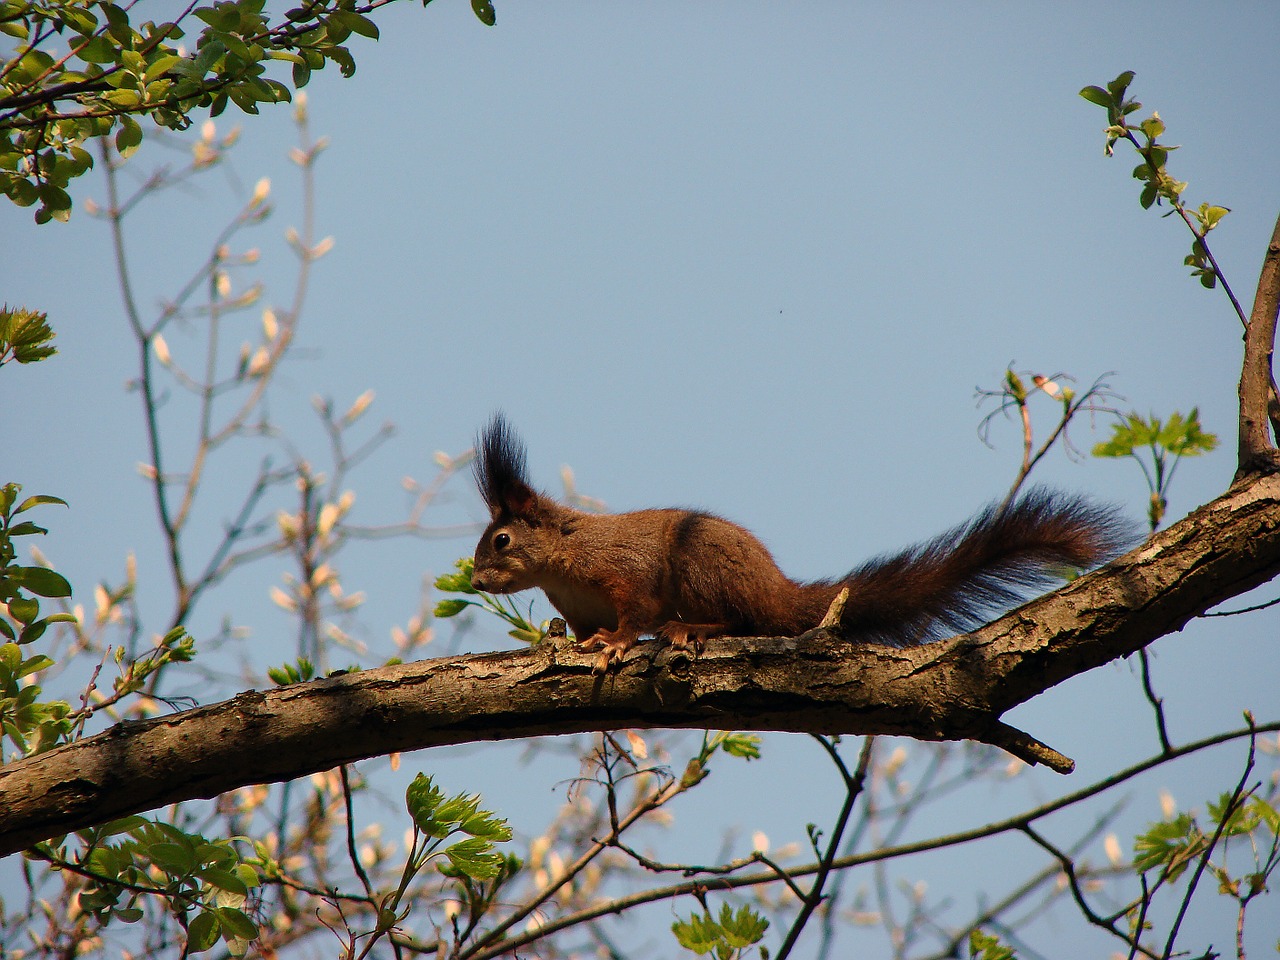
point(502, 541)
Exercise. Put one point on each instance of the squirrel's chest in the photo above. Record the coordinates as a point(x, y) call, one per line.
point(585, 607)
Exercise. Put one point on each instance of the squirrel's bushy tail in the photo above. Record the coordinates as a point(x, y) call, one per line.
point(959, 580)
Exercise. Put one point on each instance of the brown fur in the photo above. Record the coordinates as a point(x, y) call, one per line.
point(685, 576)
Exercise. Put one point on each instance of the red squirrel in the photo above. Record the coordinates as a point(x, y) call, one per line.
point(685, 576)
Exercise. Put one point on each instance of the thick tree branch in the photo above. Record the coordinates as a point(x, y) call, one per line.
point(1258, 402)
point(817, 683)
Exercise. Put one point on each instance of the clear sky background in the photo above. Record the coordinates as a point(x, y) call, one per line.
point(753, 258)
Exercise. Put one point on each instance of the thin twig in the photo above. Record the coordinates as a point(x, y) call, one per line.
point(853, 785)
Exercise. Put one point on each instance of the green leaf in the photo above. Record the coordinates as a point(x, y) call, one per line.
point(99, 50)
point(128, 137)
point(38, 499)
point(451, 608)
point(421, 798)
point(483, 9)
point(202, 933)
point(486, 826)
point(24, 609)
point(176, 858)
point(1169, 845)
point(236, 923)
point(354, 23)
point(459, 582)
point(25, 528)
point(984, 946)
point(33, 665)
point(1120, 84)
point(223, 880)
point(744, 745)
point(474, 858)
point(1097, 96)
point(43, 582)
point(27, 334)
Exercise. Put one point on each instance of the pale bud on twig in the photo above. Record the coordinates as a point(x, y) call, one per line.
point(161, 349)
point(222, 284)
point(1047, 385)
point(1167, 805)
point(300, 157)
point(261, 190)
point(321, 248)
point(261, 360)
point(328, 517)
point(358, 408)
point(638, 747)
point(283, 600)
point(102, 601)
point(345, 501)
point(91, 207)
point(759, 842)
point(1112, 847)
point(321, 575)
point(443, 460)
point(208, 130)
point(147, 471)
point(349, 603)
point(538, 850)
point(895, 761)
point(270, 327)
point(300, 106)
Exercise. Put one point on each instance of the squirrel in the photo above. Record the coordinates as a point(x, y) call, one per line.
point(685, 576)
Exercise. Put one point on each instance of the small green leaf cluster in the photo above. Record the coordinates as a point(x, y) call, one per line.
point(23, 624)
point(29, 724)
point(470, 862)
point(82, 70)
point(1164, 444)
point(727, 936)
point(743, 745)
point(522, 628)
point(436, 819)
point(25, 336)
point(1172, 845)
point(176, 646)
point(289, 673)
point(1168, 848)
point(205, 882)
point(986, 946)
point(1152, 172)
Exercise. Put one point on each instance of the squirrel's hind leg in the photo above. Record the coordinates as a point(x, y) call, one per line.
point(689, 636)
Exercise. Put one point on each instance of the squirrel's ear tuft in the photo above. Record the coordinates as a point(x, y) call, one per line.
point(500, 469)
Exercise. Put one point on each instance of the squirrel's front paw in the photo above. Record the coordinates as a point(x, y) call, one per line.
point(612, 644)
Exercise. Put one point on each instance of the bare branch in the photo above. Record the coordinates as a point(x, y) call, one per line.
point(1257, 387)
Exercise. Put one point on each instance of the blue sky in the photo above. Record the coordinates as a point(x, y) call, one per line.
point(753, 258)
